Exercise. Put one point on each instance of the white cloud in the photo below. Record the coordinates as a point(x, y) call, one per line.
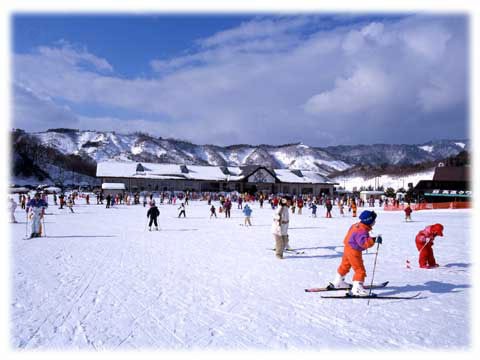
point(366, 88)
point(271, 81)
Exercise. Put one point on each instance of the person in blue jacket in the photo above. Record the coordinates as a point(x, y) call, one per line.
point(247, 211)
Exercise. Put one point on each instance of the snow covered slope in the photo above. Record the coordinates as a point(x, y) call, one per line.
point(99, 281)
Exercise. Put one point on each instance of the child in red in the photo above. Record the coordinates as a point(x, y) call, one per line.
point(408, 211)
point(424, 242)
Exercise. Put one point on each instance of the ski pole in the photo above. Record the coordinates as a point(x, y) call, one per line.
point(26, 224)
point(373, 275)
point(44, 228)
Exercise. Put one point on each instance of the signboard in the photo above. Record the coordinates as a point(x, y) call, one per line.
point(261, 176)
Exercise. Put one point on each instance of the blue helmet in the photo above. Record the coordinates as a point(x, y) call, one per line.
point(368, 217)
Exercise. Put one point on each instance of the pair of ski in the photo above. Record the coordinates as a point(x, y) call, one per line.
point(330, 287)
point(292, 251)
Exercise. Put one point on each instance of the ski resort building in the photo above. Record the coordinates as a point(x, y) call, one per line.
point(176, 177)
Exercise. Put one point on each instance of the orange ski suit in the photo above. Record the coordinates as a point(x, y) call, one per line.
point(356, 240)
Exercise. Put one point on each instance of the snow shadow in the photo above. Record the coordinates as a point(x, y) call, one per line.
point(306, 227)
point(79, 236)
point(163, 230)
point(434, 287)
point(339, 255)
point(460, 265)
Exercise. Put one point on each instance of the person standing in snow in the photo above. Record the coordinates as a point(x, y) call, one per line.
point(247, 211)
point(280, 227)
point(328, 205)
point(356, 240)
point(300, 205)
point(37, 207)
point(213, 212)
point(182, 210)
point(70, 203)
point(227, 206)
point(313, 206)
point(408, 212)
point(153, 213)
point(354, 208)
point(424, 242)
point(12, 206)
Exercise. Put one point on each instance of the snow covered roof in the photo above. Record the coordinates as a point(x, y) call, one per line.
point(196, 172)
point(113, 186)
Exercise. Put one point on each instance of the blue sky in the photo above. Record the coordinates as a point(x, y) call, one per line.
point(323, 79)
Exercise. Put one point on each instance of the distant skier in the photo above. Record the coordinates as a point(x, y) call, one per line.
point(313, 206)
point(70, 203)
point(213, 212)
point(354, 208)
point(356, 240)
point(424, 241)
point(227, 206)
point(62, 200)
point(328, 205)
point(247, 211)
point(11, 207)
point(280, 227)
point(300, 205)
point(153, 213)
point(55, 198)
point(182, 210)
point(408, 211)
point(36, 210)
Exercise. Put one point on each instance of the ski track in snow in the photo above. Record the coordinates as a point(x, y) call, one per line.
point(100, 282)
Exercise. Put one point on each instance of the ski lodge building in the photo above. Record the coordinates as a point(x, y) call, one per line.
point(175, 177)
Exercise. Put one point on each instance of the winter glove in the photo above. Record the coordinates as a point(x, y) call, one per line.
point(378, 239)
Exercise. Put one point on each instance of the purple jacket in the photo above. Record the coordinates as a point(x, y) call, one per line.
point(358, 237)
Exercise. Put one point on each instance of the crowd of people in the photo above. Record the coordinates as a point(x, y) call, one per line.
point(355, 242)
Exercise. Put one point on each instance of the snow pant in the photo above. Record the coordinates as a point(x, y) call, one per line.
point(12, 217)
point(36, 224)
point(154, 221)
point(281, 243)
point(425, 257)
point(299, 211)
point(227, 212)
point(247, 220)
point(182, 212)
point(352, 259)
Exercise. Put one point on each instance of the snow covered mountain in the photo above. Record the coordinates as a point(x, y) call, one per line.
point(94, 146)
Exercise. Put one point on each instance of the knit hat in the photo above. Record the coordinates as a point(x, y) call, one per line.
point(437, 229)
point(368, 217)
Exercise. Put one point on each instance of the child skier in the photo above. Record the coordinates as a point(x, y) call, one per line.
point(356, 240)
point(213, 212)
point(153, 213)
point(424, 242)
point(408, 211)
point(247, 211)
point(182, 210)
point(37, 207)
point(328, 205)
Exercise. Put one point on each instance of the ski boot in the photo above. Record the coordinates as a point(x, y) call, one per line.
point(339, 282)
point(358, 289)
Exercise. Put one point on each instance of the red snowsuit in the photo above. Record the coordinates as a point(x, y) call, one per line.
point(424, 242)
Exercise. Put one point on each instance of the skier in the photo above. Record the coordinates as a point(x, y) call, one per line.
point(213, 212)
point(247, 211)
point(356, 240)
point(153, 213)
point(62, 200)
point(300, 205)
point(424, 242)
point(70, 203)
point(182, 210)
point(408, 212)
point(354, 208)
point(313, 206)
point(37, 207)
point(55, 198)
point(227, 206)
point(12, 206)
point(280, 227)
point(341, 207)
point(329, 206)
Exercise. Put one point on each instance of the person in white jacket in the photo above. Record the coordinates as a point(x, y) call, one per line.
point(12, 206)
point(280, 227)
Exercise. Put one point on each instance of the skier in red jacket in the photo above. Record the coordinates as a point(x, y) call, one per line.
point(424, 242)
